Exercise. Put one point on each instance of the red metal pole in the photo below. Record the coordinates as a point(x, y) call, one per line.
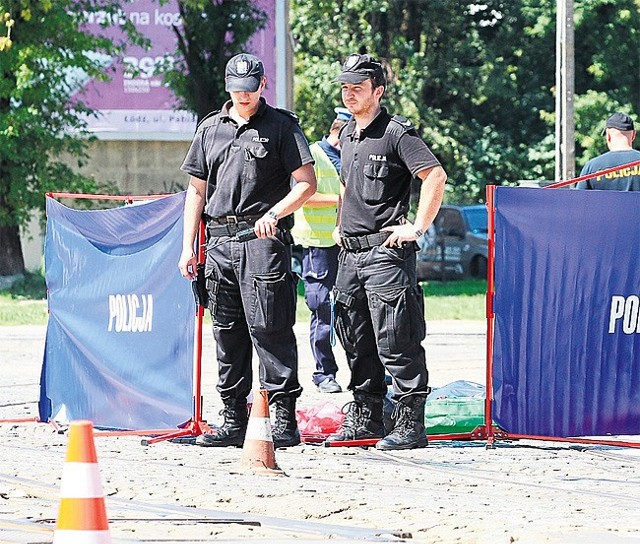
point(591, 176)
point(488, 419)
point(197, 386)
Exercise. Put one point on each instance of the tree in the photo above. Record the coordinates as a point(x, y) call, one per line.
point(476, 78)
point(41, 118)
point(212, 32)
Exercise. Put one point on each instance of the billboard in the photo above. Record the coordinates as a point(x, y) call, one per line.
point(134, 103)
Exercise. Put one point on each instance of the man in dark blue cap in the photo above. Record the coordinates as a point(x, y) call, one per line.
point(620, 133)
point(241, 162)
point(379, 305)
point(313, 230)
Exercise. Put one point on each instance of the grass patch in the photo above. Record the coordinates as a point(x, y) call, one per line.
point(24, 303)
point(464, 299)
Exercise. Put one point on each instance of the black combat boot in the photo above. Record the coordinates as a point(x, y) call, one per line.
point(363, 419)
point(285, 429)
point(409, 431)
point(232, 431)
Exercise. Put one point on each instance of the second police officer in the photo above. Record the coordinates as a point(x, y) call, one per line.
point(379, 305)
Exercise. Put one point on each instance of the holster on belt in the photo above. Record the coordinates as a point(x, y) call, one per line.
point(199, 287)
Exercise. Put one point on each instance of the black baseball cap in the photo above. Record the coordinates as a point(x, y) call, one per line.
point(358, 68)
point(619, 121)
point(244, 72)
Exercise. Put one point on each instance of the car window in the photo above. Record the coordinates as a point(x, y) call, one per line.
point(477, 219)
point(451, 222)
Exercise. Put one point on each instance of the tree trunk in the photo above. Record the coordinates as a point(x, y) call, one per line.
point(11, 258)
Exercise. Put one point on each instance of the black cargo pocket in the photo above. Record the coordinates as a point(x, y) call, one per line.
point(374, 176)
point(403, 322)
point(274, 301)
point(418, 321)
point(343, 324)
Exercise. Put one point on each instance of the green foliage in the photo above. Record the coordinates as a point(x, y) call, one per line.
point(211, 34)
point(41, 118)
point(477, 79)
point(31, 286)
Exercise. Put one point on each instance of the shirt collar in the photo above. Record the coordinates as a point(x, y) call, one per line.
point(262, 107)
point(350, 130)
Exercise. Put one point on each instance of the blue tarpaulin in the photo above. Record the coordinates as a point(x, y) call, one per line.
point(120, 337)
point(567, 328)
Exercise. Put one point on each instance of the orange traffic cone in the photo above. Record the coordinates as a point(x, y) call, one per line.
point(258, 454)
point(82, 516)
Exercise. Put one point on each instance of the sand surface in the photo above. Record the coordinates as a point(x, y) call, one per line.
point(451, 492)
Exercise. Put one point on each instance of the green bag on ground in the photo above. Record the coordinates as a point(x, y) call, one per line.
point(455, 408)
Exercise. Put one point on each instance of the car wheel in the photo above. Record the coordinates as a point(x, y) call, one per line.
point(479, 267)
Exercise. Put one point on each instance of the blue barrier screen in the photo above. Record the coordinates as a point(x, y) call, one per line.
point(120, 337)
point(567, 328)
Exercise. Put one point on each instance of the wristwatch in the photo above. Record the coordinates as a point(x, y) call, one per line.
point(272, 214)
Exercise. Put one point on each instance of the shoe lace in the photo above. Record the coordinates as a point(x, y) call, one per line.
point(353, 412)
point(402, 417)
point(280, 425)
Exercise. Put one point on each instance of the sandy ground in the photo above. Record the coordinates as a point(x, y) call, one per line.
point(451, 492)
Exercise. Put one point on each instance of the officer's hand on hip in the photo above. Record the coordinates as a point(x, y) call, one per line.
point(267, 225)
point(188, 264)
point(401, 234)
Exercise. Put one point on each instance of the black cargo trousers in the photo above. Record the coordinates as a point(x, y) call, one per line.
point(379, 319)
point(252, 299)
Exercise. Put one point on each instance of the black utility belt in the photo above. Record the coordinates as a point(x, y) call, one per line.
point(367, 241)
point(233, 219)
point(231, 229)
point(231, 225)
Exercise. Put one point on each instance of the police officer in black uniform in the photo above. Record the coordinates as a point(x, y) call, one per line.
point(241, 163)
point(378, 303)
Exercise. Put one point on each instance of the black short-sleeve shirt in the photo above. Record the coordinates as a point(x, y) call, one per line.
point(377, 169)
point(247, 168)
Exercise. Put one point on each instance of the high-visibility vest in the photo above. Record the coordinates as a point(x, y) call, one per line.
point(314, 226)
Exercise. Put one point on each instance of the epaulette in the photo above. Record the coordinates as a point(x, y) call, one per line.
point(400, 125)
point(207, 117)
point(290, 114)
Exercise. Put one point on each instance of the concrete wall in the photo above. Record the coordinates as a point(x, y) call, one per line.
point(138, 167)
point(135, 167)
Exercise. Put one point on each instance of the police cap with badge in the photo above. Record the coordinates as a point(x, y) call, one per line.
point(244, 72)
point(358, 68)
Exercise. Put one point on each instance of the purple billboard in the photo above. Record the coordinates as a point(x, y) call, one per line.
point(134, 103)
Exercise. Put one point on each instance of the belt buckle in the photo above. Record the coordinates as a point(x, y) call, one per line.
point(232, 220)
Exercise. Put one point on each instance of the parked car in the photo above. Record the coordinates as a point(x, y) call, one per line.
point(455, 245)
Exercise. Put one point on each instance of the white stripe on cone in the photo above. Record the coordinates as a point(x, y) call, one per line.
point(259, 428)
point(81, 537)
point(81, 481)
